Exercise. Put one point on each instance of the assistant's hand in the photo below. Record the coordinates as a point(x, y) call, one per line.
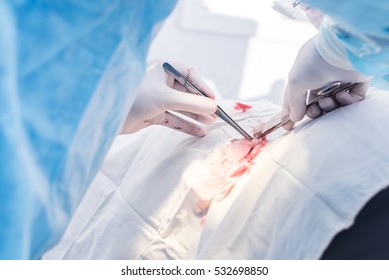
point(159, 93)
point(311, 71)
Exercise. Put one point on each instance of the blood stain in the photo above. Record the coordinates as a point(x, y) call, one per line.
point(242, 107)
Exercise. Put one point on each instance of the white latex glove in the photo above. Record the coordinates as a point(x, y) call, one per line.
point(159, 93)
point(311, 71)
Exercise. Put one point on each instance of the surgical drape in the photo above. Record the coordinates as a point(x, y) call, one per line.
point(301, 190)
point(68, 73)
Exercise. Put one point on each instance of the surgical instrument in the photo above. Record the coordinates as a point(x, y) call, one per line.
point(326, 91)
point(194, 89)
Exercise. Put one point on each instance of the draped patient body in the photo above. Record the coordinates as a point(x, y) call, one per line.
point(165, 195)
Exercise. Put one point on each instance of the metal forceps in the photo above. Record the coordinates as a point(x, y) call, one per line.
point(326, 91)
point(193, 89)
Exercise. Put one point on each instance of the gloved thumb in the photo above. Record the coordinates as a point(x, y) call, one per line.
point(183, 101)
point(295, 102)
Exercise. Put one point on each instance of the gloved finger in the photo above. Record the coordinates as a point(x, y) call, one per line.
point(297, 97)
point(179, 87)
point(191, 74)
point(170, 80)
point(173, 83)
point(177, 101)
point(344, 98)
point(286, 112)
point(328, 104)
point(358, 92)
point(314, 111)
point(205, 119)
point(175, 122)
point(195, 78)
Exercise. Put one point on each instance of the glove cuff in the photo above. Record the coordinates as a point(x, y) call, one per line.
point(330, 48)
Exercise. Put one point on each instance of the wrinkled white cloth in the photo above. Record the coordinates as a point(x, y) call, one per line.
point(159, 194)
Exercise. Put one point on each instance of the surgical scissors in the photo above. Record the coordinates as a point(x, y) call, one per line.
point(326, 91)
point(194, 89)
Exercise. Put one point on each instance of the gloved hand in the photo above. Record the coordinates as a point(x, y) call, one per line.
point(160, 97)
point(311, 71)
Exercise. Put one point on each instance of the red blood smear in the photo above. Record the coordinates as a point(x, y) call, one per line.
point(248, 160)
point(256, 150)
point(177, 127)
point(242, 107)
point(242, 169)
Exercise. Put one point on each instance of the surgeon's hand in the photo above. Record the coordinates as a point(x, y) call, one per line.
point(161, 100)
point(311, 71)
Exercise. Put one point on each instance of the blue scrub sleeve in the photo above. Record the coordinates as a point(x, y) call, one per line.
point(68, 73)
point(362, 27)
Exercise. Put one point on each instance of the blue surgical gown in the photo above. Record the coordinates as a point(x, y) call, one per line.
point(68, 72)
point(364, 31)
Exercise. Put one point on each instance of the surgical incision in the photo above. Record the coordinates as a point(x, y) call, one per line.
point(216, 176)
